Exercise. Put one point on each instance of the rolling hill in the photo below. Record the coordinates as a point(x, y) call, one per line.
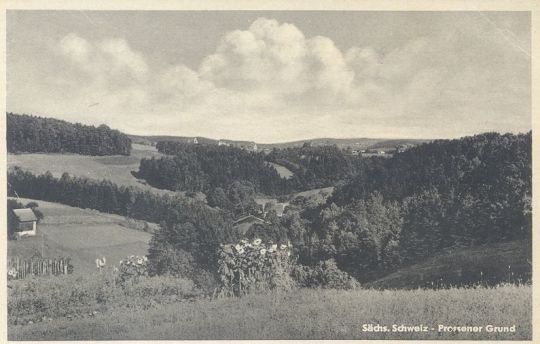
point(354, 143)
point(116, 168)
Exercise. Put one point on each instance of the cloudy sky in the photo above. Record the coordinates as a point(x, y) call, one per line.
point(274, 76)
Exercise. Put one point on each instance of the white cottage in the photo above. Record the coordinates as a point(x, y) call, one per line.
point(26, 222)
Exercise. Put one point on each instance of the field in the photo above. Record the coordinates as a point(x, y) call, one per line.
point(283, 171)
point(83, 235)
point(116, 168)
point(305, 314)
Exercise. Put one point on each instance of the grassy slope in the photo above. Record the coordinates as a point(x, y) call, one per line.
point(116, 168)
point(83, 235)
point(305, 314)
point(283, 171)
point(318, 196)
point(503, 261)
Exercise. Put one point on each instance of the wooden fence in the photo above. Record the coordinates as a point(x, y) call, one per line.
point(24, 267)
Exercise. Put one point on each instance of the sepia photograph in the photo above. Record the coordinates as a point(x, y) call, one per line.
point(249, 174)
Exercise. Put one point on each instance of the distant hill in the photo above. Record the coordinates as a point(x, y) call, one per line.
point(392, 144)
point(360, 143)
point(153, 139)
point(353, 143)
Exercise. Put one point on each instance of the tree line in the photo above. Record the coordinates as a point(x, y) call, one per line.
point(315, 167)
point(205, 167)
point(32, 134)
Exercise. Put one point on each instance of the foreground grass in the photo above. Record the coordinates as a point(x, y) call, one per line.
point(305, 314)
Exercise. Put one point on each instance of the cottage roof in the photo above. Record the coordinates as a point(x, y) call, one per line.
point(248, 218)
point(25, 215)
point(243, 224)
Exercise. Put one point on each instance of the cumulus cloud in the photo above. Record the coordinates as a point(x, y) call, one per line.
point(110, 58)
point(270, 82)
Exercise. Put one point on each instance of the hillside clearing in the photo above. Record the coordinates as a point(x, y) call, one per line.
point(116, 168)
point(83, 235)
point(305, 314)
point(283, 171)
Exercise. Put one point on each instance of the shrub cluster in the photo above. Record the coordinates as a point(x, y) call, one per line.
point(325, 274)
point(254, 266)
point(131, 268)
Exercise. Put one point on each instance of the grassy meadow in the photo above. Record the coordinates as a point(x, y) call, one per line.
point(116, 168)
point(83, 235)
point(298, 314)
point(283, 171)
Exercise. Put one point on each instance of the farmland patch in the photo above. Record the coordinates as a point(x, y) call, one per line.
point(83, 235)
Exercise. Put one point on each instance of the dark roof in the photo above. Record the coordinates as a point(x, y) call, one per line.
point(25, 215)
point(248, 218)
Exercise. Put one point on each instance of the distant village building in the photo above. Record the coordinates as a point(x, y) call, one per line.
point(222, 143)
point(278, 207)
point(195, 141)
point(26, 222)
point(249, 146)
point(402, 148)
point(375, 152)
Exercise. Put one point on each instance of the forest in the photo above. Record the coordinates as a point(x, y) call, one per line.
point(32, 134)
point(315, 167)
point(445, 194)
point(206, 167)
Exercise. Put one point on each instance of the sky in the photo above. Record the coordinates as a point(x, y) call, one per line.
point(274, 76)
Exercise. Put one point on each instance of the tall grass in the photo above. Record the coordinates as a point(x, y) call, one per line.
point(305, 314)
point(46, 299)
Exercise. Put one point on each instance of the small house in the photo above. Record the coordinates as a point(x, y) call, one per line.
point(244, 223)
point(26, 222)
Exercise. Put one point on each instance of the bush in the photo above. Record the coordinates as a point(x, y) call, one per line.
point(325, 274)
point(254, 266)
point(165, 259)
point(131, 268)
